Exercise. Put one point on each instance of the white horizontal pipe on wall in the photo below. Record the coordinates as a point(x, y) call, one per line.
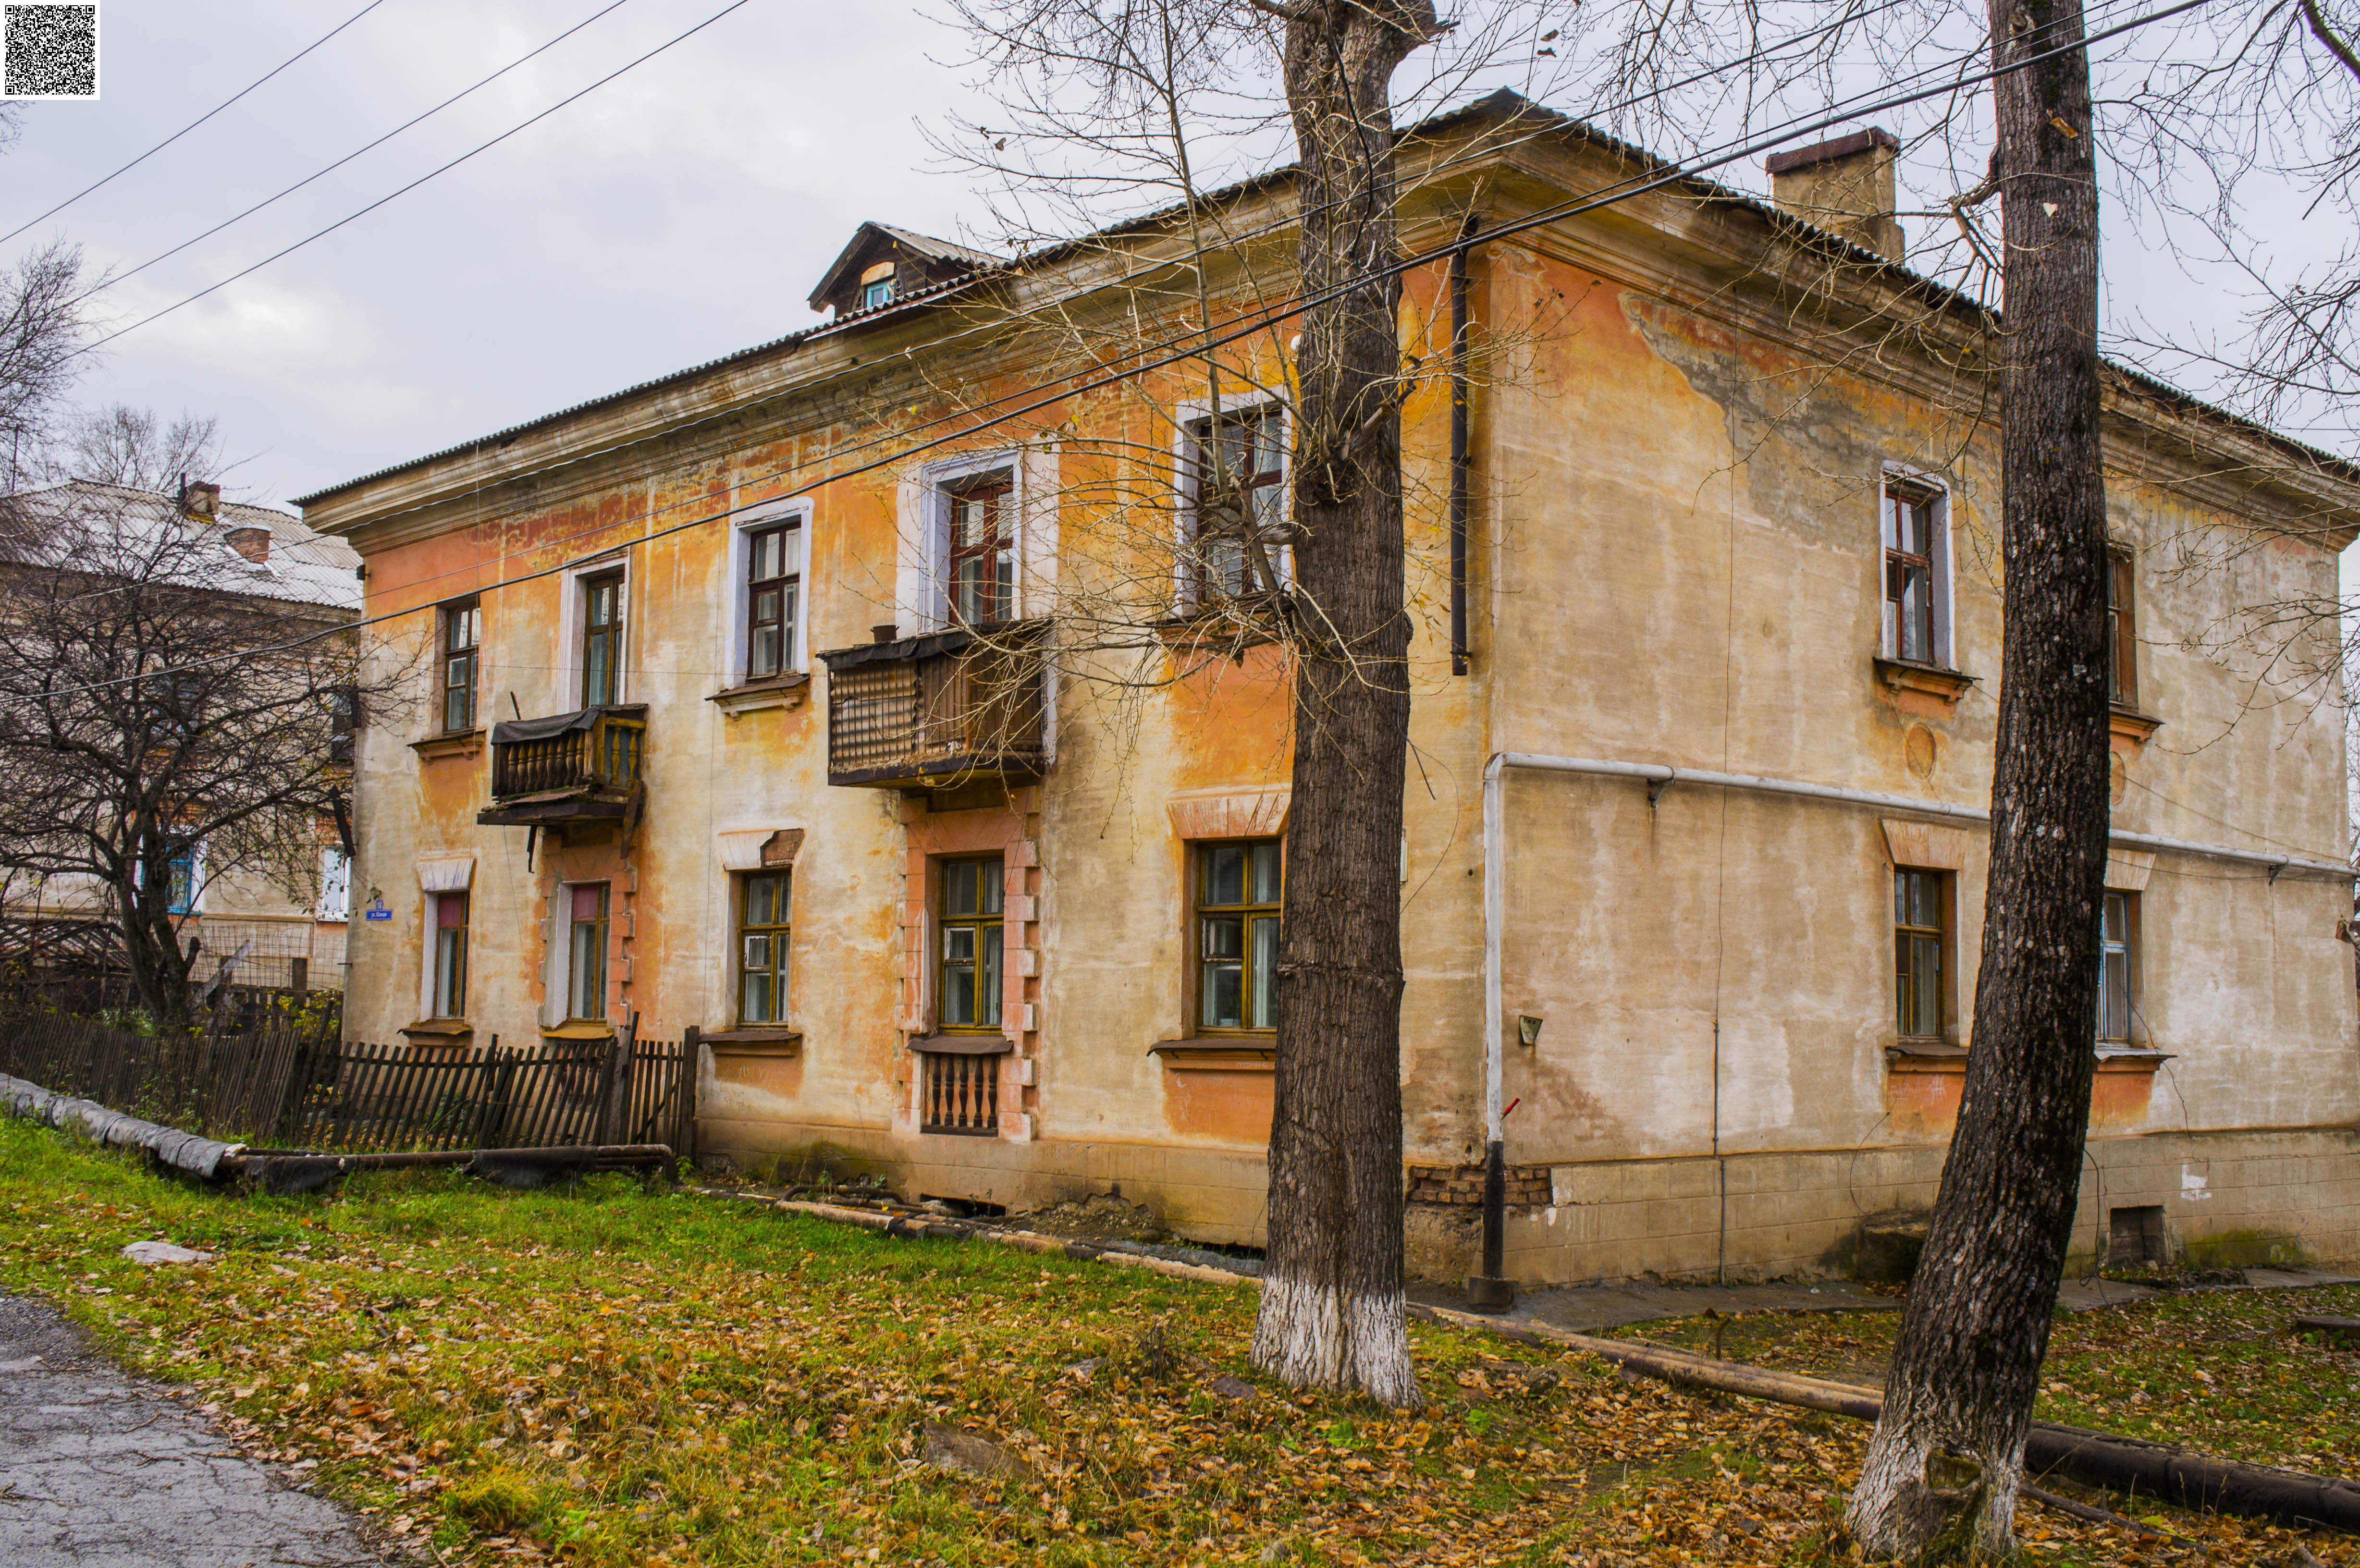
point(1494, 894)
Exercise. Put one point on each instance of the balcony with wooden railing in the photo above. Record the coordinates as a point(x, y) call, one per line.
point(582, 767)
point(935, 710)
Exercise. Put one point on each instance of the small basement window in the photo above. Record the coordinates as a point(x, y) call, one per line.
point(2135, 1236)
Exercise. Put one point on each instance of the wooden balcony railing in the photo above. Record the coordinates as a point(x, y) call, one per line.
point(568, 767)
point(937, 709)
point(959, 1094)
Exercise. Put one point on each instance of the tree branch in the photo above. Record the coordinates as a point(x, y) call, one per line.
point(2328, 36)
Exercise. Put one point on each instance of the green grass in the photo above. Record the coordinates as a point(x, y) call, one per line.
point(610, 1374)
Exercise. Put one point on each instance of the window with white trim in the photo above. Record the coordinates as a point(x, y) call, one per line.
point(1234, 477)
point(767, 633)
point(335, 884)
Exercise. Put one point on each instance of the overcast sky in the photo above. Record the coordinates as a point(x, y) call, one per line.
point(681, 212)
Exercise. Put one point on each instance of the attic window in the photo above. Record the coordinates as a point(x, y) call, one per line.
point(877, 285)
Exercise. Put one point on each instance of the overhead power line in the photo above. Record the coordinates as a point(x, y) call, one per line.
point(115, 279)
point(446, 169)
point(192, 125)
point(1163, 355)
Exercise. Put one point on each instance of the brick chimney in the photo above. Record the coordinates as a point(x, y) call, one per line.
point(200, 499)
point(1844, 186)
point(252, 543)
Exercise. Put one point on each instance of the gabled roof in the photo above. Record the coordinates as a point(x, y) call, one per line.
point(304, 566)
point(870, 238)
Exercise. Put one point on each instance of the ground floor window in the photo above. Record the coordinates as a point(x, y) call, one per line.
point(2115, 999)
point(585, 988)
point(1920, 935)
point(762, 948)
point(450, 955)
point(1236, 920)
point(969, 921)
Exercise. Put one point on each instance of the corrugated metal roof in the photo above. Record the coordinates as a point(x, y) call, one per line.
point(1506, 105)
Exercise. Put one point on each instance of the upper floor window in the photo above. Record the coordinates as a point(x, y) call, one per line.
point(184, 885)
point(2115, 952)
point(602, 640)
point(1238, 470)
point(762, 948)
point(1921, 934)
point(982, 583)
point(586, 969)
point(773, 599)
point(1917, 573)
point(450, 977)
point(970, 934)
point(1237, 916)
point(878, 292)
point(335, 886)
point(461, 639)
point(2122, 632)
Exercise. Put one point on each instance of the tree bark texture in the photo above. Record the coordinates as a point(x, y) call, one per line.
point(1332, 1309)
point(1967, 1365)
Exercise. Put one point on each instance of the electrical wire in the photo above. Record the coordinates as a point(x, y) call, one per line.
point(192, 125)
point(480, 148)
point(114, 279)
point(1199, 343)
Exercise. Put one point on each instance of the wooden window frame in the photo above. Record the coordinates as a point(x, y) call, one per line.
point(1941, 933)
point(1263, 487)
point(877, 293)
point(450, 1001)
point(612, 634)
point(461, 663)
point(1903, 497)
point(2122, 629)
point(1200, 856)
point(989, 916)
point(777, 932)
point(2127, 944)
point(787, 582)
point(997, 553)
point(601, 926)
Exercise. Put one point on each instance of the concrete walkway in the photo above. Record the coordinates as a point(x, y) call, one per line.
point(98, 1469)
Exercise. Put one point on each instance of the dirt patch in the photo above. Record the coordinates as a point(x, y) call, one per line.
point(1101, 1216)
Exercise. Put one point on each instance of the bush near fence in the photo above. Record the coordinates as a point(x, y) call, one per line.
point(285, 1082)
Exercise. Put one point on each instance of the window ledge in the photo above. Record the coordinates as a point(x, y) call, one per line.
point(1216, 1053)
point(1925, 1056)
point(2130, 1059)
point(439, 1031)
point(965, 1045)
point(778, 691)
point(1945, 686)
point(2130, 724)
point(578, 1030)
point(754, 1041)
point(458, 743)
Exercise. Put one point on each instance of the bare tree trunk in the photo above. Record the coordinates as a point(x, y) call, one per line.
point(1976, 1326)
point(1332, 1304)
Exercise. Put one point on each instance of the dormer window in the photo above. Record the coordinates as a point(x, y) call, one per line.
point(877, 293)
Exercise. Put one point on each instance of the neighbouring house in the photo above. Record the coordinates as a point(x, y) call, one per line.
point(283, 925)
point(919, 743)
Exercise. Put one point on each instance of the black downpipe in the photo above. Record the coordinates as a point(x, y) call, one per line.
point(1459, 459)
point(1495, 1206)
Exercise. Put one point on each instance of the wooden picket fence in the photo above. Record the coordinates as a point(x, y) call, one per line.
point(272, 1085)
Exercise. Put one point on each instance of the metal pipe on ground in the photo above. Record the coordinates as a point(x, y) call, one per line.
point(2088, 1458)
point(304, 1170)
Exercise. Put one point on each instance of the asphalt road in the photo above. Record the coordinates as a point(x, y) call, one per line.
point(98, 1470)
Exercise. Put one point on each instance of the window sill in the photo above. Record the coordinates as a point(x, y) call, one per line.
point(1231, 621)
point(458, 743)
point(1219, 1053)
point(1944, 686)
point(1940, 1056)
point(579, 1029)
point(2130, 724)
point(965, 1045)
point(439, 1031)
point(778, 691)
point(754, 1041)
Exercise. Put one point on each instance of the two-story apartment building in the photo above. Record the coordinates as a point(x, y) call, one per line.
point(873, 702)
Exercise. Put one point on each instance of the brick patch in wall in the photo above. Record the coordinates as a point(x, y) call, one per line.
point(1461, 1186)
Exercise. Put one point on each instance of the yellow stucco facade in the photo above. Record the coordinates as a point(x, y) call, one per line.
point(1677, 557)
